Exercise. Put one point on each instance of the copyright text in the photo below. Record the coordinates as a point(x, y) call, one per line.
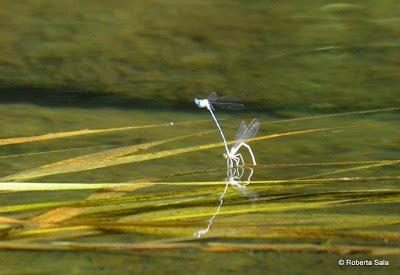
point(350, 262)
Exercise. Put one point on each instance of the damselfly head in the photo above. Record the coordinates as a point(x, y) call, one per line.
point(225, 155)
point(201, 103)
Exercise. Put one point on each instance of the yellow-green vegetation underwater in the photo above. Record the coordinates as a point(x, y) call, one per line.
point(107, 166)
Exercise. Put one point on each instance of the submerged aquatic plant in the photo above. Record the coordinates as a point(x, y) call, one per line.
point(295, 210)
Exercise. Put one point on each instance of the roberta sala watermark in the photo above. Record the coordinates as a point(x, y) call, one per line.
point(375, 262)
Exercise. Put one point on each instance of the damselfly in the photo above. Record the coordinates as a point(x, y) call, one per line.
point(225, 102)
point(245, 132)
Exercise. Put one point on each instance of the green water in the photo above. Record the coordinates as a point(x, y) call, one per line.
point(354, 138)
point(96, 65)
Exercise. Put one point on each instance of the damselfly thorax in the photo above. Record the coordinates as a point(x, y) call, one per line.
point(202, 103)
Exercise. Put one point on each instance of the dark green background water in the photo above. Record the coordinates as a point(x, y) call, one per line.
point(317, 55)
point(75, 65)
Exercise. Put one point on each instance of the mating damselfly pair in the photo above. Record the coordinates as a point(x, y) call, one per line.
point(245, 132)
point(234, 159)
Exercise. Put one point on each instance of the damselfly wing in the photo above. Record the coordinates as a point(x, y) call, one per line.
point(247, 131)
point(225, 102)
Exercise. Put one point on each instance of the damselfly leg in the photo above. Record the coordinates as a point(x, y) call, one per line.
point(244, 133)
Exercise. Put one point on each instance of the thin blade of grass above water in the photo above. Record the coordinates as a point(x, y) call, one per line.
point(91, 161)
point(281, 165)
point(363, 112)
point(113, 157)
point(49, 136)
point(364, 167)
point(55, 151)
point(37, 186)
point(334, 163)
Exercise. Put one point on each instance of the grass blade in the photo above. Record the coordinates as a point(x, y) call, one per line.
point(90, 161)
point(49, 136)
point(113, 157)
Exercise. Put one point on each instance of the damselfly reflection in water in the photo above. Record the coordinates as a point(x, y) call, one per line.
point(244, 133)
point(233, 177)
point(225, 102)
